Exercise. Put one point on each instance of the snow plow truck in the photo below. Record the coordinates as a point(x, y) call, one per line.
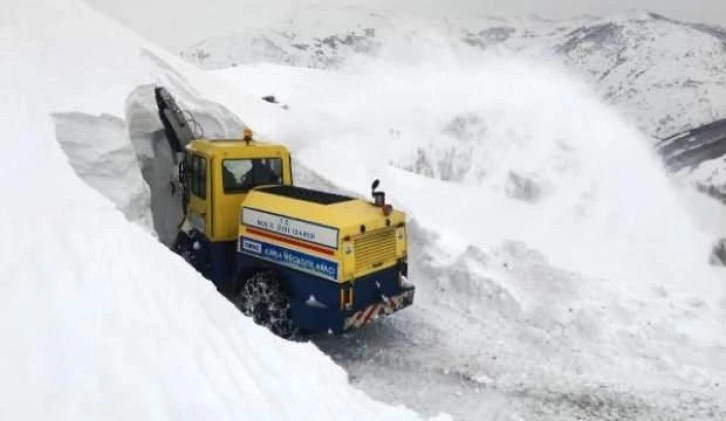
point(295, 260)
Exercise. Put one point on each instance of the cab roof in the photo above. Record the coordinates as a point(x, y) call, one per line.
point(235, 147)
point(326, 209)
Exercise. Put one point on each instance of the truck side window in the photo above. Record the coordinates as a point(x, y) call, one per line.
point(193, 170)
point(202, 177)
point(198, 174)
point(240, 175)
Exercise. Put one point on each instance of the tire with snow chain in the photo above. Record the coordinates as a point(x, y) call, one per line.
point(263, 299)
point(182, 245)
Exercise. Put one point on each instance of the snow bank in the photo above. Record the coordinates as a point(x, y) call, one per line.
point(99, 151)
point(99, 320)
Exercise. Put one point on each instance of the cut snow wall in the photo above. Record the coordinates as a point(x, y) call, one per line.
point(99, 151)
point(129, 161)
point(156, 162)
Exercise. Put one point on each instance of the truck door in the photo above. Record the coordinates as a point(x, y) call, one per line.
point(198, 184)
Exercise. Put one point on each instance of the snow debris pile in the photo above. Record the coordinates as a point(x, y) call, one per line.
point(99, 320)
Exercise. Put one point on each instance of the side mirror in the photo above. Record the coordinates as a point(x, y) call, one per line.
point(379, 198)
point(375, 184)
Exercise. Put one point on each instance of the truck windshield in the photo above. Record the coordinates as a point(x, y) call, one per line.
point(240, 175)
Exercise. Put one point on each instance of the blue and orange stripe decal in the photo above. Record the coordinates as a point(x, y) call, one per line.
point(291, 241)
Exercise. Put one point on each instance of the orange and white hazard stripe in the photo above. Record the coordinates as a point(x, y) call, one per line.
point(374, 311)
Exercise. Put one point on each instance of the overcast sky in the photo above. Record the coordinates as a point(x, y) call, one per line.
point(177, 24)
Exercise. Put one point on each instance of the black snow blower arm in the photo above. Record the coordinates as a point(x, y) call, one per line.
point(178, 128)
point(176, 124)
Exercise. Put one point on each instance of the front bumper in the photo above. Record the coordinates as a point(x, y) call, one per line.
point(387, 306)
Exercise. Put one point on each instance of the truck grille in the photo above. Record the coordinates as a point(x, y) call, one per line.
point(374, 248)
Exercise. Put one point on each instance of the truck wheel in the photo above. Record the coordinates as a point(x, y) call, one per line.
point(183, 246)
point(263, 299)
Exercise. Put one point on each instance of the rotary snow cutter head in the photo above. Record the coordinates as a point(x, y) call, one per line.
point(179, 126)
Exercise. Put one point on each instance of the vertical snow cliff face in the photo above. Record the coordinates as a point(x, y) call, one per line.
point(129, 160)
point(99, 150)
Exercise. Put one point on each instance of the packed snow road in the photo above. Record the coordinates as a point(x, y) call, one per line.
point(378, 361)
point(443, 358)
point(407, 360)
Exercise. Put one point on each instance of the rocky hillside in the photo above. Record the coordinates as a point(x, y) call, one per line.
point(666, 75)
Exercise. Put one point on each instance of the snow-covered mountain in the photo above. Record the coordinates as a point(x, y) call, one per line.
point(665, 76)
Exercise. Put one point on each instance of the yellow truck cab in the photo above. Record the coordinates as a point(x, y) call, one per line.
point(292, 258)
point(222, 172)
